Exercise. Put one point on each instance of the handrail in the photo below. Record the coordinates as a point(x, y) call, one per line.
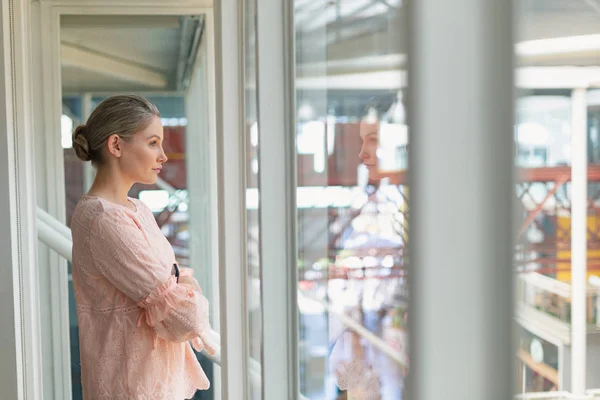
point(354, 325)
point(173, 192)
point(164, 185)
point(54, 223)
point(59, 243)
point(551, 285)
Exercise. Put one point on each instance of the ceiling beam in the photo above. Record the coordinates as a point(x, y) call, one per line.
point(581, 50)
point(525, 78)
point(79, 57)
point(119, 21)
point(559, 45)
point(383, 62)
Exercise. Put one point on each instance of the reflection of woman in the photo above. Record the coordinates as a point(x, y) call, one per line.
point(369, 134)
point(353, 370)
point(136, 309)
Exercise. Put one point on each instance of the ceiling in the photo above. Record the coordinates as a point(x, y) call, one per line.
point(131, 53)
point(367, 35)
point(334, 38)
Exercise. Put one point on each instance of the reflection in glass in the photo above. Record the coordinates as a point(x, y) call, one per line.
point(352, 149)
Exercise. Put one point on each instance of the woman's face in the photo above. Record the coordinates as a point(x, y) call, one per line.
point(368, 152)
point(143, 155)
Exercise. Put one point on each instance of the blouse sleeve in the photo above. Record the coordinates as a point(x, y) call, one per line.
point(119, 249)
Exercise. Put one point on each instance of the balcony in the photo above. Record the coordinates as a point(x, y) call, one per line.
point(553, 298)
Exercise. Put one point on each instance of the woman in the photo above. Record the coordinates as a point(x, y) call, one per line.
point(138, 312)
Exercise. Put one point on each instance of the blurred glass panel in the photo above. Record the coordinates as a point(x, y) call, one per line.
point(557, 52)
point(352, 149)
point(253, 265)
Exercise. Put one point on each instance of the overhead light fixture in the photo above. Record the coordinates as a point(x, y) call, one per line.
point(559, 45)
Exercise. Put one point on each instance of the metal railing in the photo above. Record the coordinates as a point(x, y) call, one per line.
point(553, 297)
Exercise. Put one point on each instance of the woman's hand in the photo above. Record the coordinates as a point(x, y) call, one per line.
point(203, 343)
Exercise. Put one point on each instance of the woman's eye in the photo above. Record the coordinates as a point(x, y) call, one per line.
point(153, 143)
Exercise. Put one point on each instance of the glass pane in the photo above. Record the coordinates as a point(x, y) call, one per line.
point(170, 198)
point(557, 57)
point(352, 149)
point(253, 263)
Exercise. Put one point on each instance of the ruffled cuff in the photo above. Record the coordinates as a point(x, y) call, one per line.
point(184, 271)
point(162, 300)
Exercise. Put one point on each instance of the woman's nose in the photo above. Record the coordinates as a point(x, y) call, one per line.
point(363, 154)
point(163, 157)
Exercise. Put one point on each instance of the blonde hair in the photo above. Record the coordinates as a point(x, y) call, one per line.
point(124, 115)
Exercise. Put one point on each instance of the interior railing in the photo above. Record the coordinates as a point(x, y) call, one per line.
point(553, 297)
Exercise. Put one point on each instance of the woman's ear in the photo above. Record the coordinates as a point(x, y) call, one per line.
point(114, 145)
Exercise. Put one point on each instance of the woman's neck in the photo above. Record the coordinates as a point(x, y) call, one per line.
point(111, 186)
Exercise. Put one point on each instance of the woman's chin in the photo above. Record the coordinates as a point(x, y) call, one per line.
point(151, 180)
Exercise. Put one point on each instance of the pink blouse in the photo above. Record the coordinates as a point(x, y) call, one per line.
point(137, 325)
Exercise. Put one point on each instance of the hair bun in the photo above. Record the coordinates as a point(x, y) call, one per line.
point(80, 144)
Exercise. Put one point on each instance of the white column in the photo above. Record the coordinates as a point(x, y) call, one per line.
point(462, 191)
point(578, 240)
point(207, 52)
point(50, 196)
point(20, 335)
point(200, 149)
point(88, 170)
point(231, 198)
point(201, 164)
point(277, 154)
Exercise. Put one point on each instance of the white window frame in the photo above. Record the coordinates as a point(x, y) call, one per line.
point(20, 344)
point(277, 188)
point(222, 74)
